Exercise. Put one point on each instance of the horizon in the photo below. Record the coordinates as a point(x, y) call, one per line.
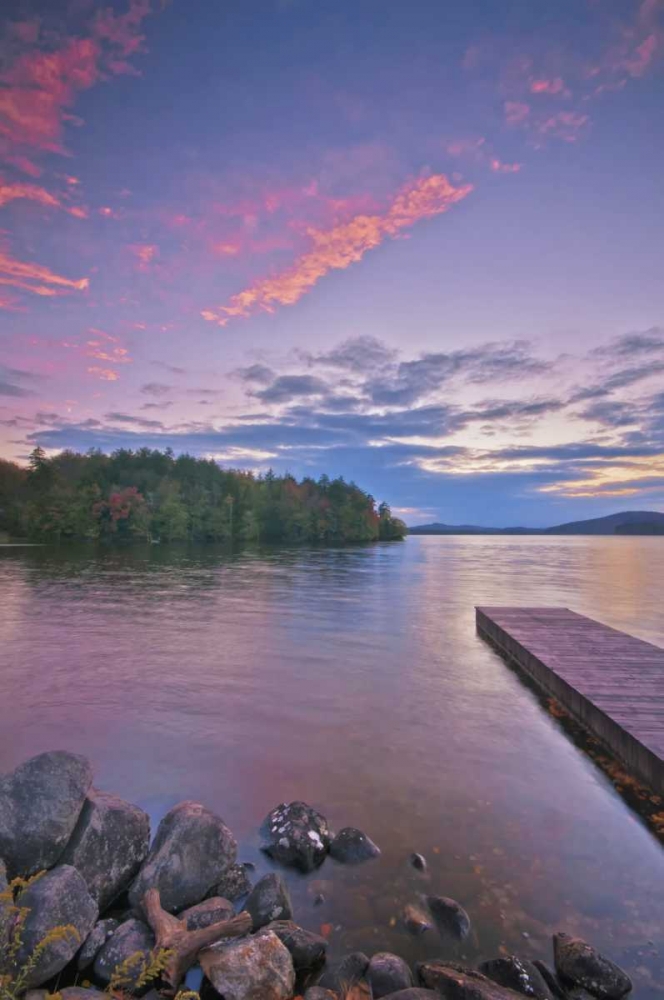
point(416, 248)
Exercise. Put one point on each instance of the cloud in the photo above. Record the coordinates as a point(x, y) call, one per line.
point(357, 354)
point(646, 342)
point(33, 192)
point(165, 405)
point(127, 418)
point(35, 278)
point(342, 245)
point(10, 379)
point(288, 387)
point(260, 374)
point(554, 86)
point(104, 374)
point(145, 254)
point(156, 389)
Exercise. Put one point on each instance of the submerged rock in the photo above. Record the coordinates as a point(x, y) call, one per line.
point(418, 861)
point(306, 948)
point(579, 963)
point(234, 884)
point(296, 835)
point(449, 917)
point(40, 803)
point(451, 980)
point(95, 941)
point(387, 974)
point(550, 978)
point(268, 900)
point(210, 911)
point(351, 846)
point(191, 852)
point(108, 845)
point(130, 938)
point(349, 971)
point(57, 900)
point(415, 919)
point(518, 974)
point(251, 968)
point(414, 993)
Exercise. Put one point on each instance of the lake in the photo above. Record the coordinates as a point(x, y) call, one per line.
point(352, 679)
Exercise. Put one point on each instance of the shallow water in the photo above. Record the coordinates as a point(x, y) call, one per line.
point(352, 679)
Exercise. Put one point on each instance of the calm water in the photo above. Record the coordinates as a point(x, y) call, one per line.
point(354, 680)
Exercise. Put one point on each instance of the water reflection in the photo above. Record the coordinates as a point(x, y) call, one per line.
point(352, 679)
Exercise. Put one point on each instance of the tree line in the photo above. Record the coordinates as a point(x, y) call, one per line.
point(152, 495)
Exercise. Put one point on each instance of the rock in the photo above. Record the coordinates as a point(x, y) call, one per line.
point(306, 948)
point(108, 845)
point(518, 974)
point(191, 852)
point(415, 919)
point(415, 993)
point(449, 917)
point(269, 900)
point(388, 974)
point(3, 876)
point(40, 803)
point(234, 884)
point(251, 968)
point(296, 835)
point(350, 970)
point(318, 993)
point(59, 898)
point(78, 993)
point(418, 861)
point(352, 846)
point(452, 980)
point(550, 978)
point(131, 937)
point(210, 911)
point(95, 941)
point(579, 963)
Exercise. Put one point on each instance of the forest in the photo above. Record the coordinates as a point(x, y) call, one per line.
point(154, 496)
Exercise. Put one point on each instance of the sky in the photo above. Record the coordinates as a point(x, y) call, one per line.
point(415, 245)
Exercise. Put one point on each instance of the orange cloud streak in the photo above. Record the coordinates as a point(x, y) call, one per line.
point(33, 192)
point(35, 278)
point(341, 246)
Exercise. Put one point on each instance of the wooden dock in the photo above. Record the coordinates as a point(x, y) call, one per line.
point(610, 682)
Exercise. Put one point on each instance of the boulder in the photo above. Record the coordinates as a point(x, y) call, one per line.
point(351, 846)
point(418, 861)
point(251, 968)
point(518, 974)
point(306, 948)
point(550, 978)
point(108, 845)
point(210, 911)
point(318, 993)
point(268, 900)
point(191, 852)
point(349, 971)
point(579, 963)
point(3, 876)
point(387, 974)
point(296, 835)
point(450, 918)
point(131, 937)
point(414, 993)
point(40, 803)
point(58, 899)
point(415, 919)
point(234, 884)
point(95, 941)
point(78, 993)
point(455, 981)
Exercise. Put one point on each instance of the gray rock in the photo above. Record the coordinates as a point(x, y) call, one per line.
point(78, 993)
point(108, 846)
point(210, 911)
point(387, 974)
point(349, 971)
point(318, 993)
point(550, 978)
point(518, 974)
point(415, 919)
point(269, 900)
point(451, 980)
point(450, 918)
point(352, 846)
point(131, 937)
point(418, 861)
point(191, 852)
point(415, 993)
point(579, 963)
point(296, 835)
point(3, 876)
point(234, 884)
point(306, 948)
point(251, 968)
point(59, 898)
point(95, 941)
point(40, 803)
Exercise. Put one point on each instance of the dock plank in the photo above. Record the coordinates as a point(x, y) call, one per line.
point(611, 682)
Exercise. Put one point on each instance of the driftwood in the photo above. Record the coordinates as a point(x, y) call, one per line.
point(184, 945)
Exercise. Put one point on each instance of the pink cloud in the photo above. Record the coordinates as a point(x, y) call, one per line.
point(555, 86)
point(35, 278)
point(340, 246)
point(516, 112)
point(499, 167)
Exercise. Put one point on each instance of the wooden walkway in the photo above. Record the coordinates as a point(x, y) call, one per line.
point(609, 681)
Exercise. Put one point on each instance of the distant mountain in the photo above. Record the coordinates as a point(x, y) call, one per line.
point(629, 522)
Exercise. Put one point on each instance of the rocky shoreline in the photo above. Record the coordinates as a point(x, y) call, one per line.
point(90, 906)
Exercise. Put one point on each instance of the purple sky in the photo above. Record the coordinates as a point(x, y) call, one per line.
point(417, 245)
